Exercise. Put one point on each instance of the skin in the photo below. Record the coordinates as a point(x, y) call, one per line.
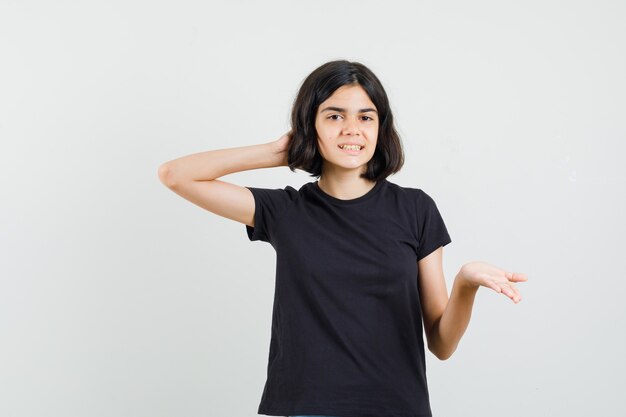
point(195, 178)
point(356, 122)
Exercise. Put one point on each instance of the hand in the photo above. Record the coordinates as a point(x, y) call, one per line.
point(476, 274)
point(281, 146)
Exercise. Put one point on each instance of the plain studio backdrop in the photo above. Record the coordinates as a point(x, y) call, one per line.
point(120, 298)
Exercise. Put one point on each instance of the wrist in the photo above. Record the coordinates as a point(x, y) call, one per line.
point(274, 154)
point(464, 283)
point(280, 149)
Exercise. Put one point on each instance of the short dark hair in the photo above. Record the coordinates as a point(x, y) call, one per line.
point(303, 153)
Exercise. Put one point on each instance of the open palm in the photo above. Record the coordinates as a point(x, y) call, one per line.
point(490, 276)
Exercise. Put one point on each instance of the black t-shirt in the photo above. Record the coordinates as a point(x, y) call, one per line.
point(347, 335)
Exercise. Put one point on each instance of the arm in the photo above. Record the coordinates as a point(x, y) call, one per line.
point(446, 319)
point(194, 177)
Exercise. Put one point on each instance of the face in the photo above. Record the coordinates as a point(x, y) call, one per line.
point(348, 116)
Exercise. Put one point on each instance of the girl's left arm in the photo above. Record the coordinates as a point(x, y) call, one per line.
point(446, 319)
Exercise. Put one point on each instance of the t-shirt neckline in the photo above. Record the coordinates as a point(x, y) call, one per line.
point(339, 201)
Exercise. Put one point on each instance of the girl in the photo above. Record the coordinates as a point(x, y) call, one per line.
point(359, 275)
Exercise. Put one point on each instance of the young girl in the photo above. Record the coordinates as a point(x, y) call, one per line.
point(359, 274)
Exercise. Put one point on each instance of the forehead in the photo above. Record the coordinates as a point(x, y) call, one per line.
point(349, 97)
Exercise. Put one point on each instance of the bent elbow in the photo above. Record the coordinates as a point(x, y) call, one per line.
point(166, 175)
point(441, 353)
point(444, 356)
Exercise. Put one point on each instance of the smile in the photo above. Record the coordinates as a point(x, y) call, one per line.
point(351, 149)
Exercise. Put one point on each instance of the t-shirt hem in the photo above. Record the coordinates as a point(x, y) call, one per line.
point(336, 411)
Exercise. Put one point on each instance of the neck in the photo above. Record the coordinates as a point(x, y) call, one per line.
point(345, 187)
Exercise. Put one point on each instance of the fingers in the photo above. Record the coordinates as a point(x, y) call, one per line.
point(512, 292)
point(493, 286)
point(507, 289)
point(516, 276)
point(500, 281)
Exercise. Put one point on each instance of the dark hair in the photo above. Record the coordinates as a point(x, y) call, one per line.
point(303, 153)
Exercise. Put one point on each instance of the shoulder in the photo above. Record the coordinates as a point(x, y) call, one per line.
point(285, 193)
point(415, 194)
point(274, 199)
point(420, 202)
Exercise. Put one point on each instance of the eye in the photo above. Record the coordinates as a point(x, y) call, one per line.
point(367, 118)
point(334, 117)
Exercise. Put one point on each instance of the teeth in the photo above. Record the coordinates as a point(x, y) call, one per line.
point(351, 147)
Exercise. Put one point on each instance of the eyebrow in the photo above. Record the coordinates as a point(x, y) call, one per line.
point(342, 110)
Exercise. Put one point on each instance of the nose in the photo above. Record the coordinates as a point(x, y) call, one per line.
point(351, 127)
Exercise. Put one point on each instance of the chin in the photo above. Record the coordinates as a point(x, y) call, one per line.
point(362, 166)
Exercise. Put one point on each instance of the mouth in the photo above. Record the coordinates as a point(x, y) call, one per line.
point(351, 149)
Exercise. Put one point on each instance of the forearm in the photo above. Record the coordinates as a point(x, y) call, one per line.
point(448, 331)
point(213, 164)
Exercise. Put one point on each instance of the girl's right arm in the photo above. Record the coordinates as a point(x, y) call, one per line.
point(194, 177)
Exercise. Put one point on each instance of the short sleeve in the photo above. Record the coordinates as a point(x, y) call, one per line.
point(432, 231)
point(269, 205)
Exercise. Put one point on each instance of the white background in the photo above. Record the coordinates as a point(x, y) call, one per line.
point(119, 298)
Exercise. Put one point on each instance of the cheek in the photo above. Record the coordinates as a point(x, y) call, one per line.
point(372, 133)
point(324, 142)
point(322, 131)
